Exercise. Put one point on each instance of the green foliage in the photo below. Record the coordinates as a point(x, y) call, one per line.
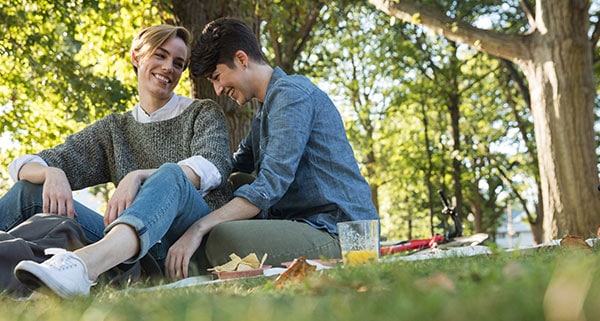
point(394, 84)
point(286, 28)
point(65, 65)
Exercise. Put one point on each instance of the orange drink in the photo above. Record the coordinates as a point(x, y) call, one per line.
point(354, 258)
point(359, 241)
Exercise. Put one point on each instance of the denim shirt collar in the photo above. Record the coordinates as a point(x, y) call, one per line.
point(278, 73)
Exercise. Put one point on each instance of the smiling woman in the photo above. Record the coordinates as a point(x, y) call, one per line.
point(169, 150)
point(159, 59)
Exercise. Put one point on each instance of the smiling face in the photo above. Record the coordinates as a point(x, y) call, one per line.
point(159, 72)
point(234, 81)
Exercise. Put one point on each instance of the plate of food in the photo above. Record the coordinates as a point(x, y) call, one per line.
point(226, 275)
point(237, 267)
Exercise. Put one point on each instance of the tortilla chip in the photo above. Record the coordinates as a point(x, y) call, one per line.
point(250, 262)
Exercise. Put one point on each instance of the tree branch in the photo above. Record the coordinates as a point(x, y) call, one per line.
point(529, 13)
point(595, 37)
point(495, 43)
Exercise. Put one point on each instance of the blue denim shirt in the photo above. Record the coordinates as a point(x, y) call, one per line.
point(305, 166)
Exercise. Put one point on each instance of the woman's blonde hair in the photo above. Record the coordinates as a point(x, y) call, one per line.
point(150, 38)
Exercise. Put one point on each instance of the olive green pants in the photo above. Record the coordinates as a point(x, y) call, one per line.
point(282, 240)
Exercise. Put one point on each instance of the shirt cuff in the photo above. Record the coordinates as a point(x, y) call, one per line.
point(207, 171)
point(15, 166)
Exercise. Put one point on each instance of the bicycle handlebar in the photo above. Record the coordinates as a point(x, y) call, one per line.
point(458, 229)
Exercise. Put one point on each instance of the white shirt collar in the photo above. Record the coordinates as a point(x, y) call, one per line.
point(173, 108)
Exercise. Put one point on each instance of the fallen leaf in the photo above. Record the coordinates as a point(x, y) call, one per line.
point(298, 270)
point(574, 242)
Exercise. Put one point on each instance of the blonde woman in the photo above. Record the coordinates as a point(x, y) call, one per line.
point(168, 157)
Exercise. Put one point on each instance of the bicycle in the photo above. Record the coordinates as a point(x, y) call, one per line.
point(432, 242)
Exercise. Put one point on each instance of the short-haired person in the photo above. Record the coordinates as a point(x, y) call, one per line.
point(169, 158)
point(307, 178)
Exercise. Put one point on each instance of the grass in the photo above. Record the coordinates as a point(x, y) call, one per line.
point(553, 284)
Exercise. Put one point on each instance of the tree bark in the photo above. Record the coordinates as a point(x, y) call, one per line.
point(194, 15)
point(556, 58)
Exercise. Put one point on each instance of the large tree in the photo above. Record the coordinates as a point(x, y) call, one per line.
point(554, 51)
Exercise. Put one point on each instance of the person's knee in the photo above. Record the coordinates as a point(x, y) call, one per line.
point(170, 168)
point(168, 171)
point(26, 187)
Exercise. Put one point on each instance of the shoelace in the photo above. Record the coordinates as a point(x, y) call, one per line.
point(59, 263)
point(54, 251)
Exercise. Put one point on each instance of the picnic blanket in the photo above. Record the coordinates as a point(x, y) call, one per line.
point(464, 247)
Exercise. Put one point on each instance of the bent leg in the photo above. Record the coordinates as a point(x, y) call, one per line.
point(282, 240)
point(166, 205)
point(24, 200)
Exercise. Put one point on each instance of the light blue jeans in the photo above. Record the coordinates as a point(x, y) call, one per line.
point(24, 200)
point(166, 205)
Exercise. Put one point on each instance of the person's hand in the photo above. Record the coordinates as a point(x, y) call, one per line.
point(180, 253)
point(57, 194)
point(123, 196)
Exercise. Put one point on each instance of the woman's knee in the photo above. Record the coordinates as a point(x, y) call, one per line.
point(168, 171)
point(170, 168)
point(26, 187)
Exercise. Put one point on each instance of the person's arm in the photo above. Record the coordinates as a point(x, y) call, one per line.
point(204, 174)
point(180, 253)
point(290, 117)
point(15, 166)
point(57, 194)
point(211, 160)
point(125, 193)
point(128, 188)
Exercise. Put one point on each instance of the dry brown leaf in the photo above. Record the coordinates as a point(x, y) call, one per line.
point(574, 242)
point(298, 270)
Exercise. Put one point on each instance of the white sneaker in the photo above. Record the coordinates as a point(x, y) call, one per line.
point(64, 273)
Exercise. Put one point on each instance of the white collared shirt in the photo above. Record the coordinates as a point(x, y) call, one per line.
point(207, 171)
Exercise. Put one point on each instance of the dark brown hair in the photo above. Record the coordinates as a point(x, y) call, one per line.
point(218, 43)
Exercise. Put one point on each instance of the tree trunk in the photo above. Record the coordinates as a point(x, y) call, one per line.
point(556, 58)
point(194, 15)
point(562, 92)
point(429, 170)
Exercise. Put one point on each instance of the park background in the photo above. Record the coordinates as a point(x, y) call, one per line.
point(500, 111)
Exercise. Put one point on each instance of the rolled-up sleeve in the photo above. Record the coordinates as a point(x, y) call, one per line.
point(15, 166)
point(210, 177)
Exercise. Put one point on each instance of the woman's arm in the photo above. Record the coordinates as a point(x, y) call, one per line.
point(57, 194)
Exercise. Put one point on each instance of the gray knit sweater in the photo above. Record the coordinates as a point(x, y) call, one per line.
point(117, 144)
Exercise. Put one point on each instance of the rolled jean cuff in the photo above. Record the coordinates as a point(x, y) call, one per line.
point(140, 229)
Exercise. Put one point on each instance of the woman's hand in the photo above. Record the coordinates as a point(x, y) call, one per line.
point(180, 253)
point(124, 194)
point(57, 194)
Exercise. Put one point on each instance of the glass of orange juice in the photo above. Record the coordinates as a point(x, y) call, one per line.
point(359, 241)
